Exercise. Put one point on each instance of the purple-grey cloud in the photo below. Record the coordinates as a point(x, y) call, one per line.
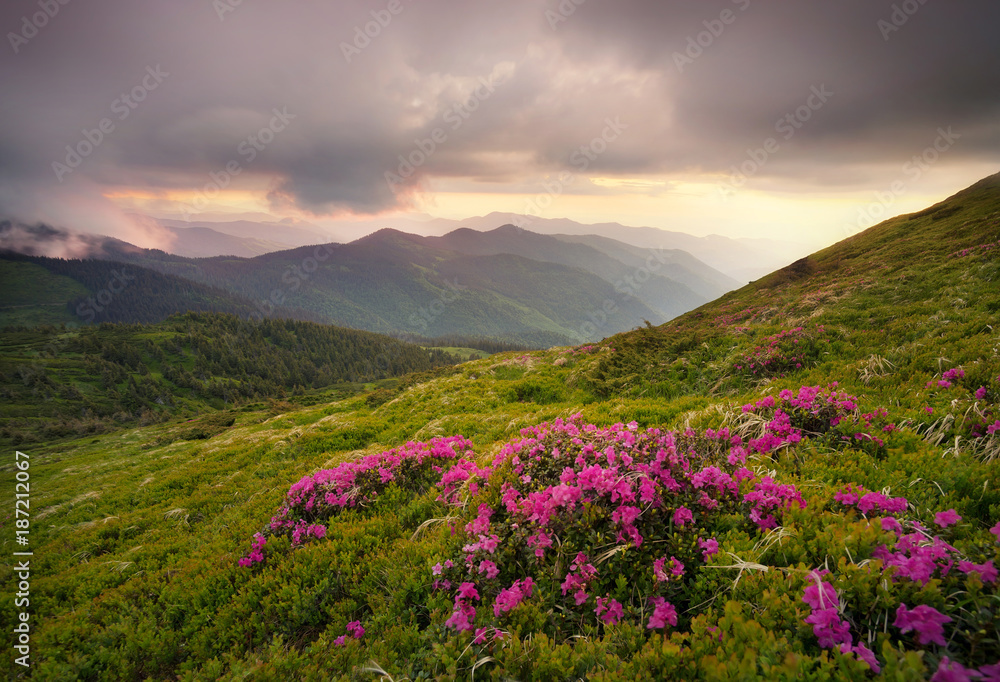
point(557, 77)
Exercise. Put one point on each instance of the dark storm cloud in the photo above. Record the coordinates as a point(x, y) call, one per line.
point(557, 73)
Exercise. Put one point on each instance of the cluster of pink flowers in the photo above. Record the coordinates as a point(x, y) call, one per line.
point(778, 354)
point(353, 484)
point(511, 597)
point(454, 478)
point(829, 628)
point(664, 614)
point(982, 248)
point(256, 554)
point(948, 378)
point(868, 502)
point(925, 620)
point(951, 671)
point(609, 610)
point(812, 409)
point(917, 557)
point(664, 572)
point(977, 423)
point(815, 410)
point(464, 613)
point(740, 316)
point(581, 574)
point(636, 486)
point(354, 630)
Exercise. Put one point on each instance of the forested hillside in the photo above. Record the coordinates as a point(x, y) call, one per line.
point(58, 382)
point(57, 290)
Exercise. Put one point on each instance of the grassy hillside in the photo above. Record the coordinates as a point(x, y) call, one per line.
point(798, 481)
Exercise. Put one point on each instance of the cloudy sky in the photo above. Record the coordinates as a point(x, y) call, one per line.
point(803, 120)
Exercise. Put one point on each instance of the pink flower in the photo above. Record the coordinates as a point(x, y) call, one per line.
point(663, 613)
point(468, 591)
point(987, 571)
point(608, 610)
point(489, 568)
point(996, 531)
point(925, 620)
point(981, 393)
point(436, 569)
point(891, 524)
point(950, 671)
point(508, 599)
point(355, 630)
point(660, 569)
point(820, 595)
point(256, 554)
point(828, 628)
point(864, 655)
point(683, 516)
point(947, 518)
point(990, 673)
point(708, 547)
point(462, 617)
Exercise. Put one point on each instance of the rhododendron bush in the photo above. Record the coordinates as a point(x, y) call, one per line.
point(579, 530)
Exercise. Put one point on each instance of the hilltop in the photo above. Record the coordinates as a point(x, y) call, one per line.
point(795, 481)
point(508, 284)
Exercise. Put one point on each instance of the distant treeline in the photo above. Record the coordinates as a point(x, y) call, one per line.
point(123, 292)
point(55, 383)
point(487, 344)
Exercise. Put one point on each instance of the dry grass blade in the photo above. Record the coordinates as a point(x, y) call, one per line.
point(774, 536)
point(428, 523)
point(376, 669)
point(482, 661)
point(876, 367)
point(601, 558)
point(742, 566)
point(118, 566)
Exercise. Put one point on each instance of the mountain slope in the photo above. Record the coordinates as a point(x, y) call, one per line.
point(54, 290)
point(680, 265)
point(392, 282)
point(926, 275)
point(742, 259)
point(204, 242)
point(653, 276)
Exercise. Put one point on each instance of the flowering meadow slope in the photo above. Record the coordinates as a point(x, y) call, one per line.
point(798, 481)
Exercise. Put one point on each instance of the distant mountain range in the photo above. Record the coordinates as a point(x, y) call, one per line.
point(507, 283)
point(742, 259)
